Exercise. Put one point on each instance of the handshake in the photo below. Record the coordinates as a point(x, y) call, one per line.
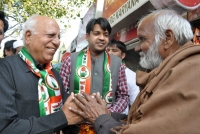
point(84, 108)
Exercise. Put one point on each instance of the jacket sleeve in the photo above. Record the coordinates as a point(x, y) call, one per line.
point(122, 96)
point(105, 122)
point(10, 123)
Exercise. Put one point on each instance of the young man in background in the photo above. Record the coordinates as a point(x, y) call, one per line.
point(118, 48)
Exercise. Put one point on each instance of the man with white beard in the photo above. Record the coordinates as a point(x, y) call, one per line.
point(151, 59)
point(168, 102)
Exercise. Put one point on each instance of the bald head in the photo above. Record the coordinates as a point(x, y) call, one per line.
point(36, 22)
point(41, 38)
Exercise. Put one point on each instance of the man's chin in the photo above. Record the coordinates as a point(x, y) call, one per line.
point(144, 64)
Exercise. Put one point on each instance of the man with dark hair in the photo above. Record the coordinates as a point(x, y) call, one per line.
point(8, 48)
point(118, 48)
point(3, 26)
point(94, 70)
point(168, 102)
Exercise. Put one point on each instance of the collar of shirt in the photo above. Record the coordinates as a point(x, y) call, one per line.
point(40, 67)
point(96, 59)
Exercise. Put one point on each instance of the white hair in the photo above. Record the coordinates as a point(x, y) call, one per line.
point(169, 19)
point(30, 25)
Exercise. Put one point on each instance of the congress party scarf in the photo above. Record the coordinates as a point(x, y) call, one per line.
point(82, 79)
point(49, 95)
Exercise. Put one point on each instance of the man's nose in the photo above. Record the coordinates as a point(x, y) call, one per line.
point(101, 36)
point(110, 52)
point(56, 41)
point(138, 48)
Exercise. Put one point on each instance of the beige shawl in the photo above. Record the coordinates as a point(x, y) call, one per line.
point(169, 102)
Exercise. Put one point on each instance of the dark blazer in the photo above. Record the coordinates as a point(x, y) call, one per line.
point(19, 109)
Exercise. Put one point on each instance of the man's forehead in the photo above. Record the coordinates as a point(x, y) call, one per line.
point(145, 28)
point(97, 27)
point(48, 28)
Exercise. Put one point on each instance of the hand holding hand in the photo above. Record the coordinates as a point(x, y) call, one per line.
point(92, 107)
point(72, 118)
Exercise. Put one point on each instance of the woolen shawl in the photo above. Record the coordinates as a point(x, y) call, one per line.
point(169, 101)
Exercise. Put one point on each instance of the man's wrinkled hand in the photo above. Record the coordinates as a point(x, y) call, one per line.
point(91, 107)
point(72, 117)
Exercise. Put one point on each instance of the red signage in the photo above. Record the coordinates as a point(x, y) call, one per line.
point(172, 4)
point(189, 3)
point(126, 34)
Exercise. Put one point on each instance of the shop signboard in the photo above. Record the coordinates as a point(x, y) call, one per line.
point(127, 33)
point(117, 10)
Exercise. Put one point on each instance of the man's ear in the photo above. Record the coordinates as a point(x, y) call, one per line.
point(27, 37)
point(169, 38)
point(123, 55)
point(6, 51)
point(87, 36)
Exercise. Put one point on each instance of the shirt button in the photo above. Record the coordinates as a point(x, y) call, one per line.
point(95, 73)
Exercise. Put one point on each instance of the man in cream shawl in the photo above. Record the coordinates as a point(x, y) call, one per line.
point(169, 100)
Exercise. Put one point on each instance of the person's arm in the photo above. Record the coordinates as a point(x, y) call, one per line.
point(11, 124)
point(122, 97)
point(104, 123)
point(65, 71)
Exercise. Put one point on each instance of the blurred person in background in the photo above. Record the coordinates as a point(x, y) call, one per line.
point(8, 48)
point(3, 26)
point(18, 45)
point(118, 48)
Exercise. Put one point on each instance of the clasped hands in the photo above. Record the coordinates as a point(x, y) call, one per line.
point(84, 108)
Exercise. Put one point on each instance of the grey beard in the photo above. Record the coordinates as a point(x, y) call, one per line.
point(151, 59)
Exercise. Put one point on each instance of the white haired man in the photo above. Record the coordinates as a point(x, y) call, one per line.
point(169, 100)
point(32, 93)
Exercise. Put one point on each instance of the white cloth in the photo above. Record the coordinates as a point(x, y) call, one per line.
point(18, 43)
point(133, 89)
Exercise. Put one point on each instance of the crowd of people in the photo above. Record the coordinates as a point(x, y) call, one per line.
point(94, 92)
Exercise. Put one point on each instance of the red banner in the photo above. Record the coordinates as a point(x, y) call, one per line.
point(189, 3)
point(127, 33)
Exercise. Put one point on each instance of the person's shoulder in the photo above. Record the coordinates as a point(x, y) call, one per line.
point(55, 72)
point(10, 59)
point(74, 53)
point(129, 71)
point(12, 63)
point(115, 58)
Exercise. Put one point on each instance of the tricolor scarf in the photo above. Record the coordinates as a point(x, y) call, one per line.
point(49, 95)
point(82, 78)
